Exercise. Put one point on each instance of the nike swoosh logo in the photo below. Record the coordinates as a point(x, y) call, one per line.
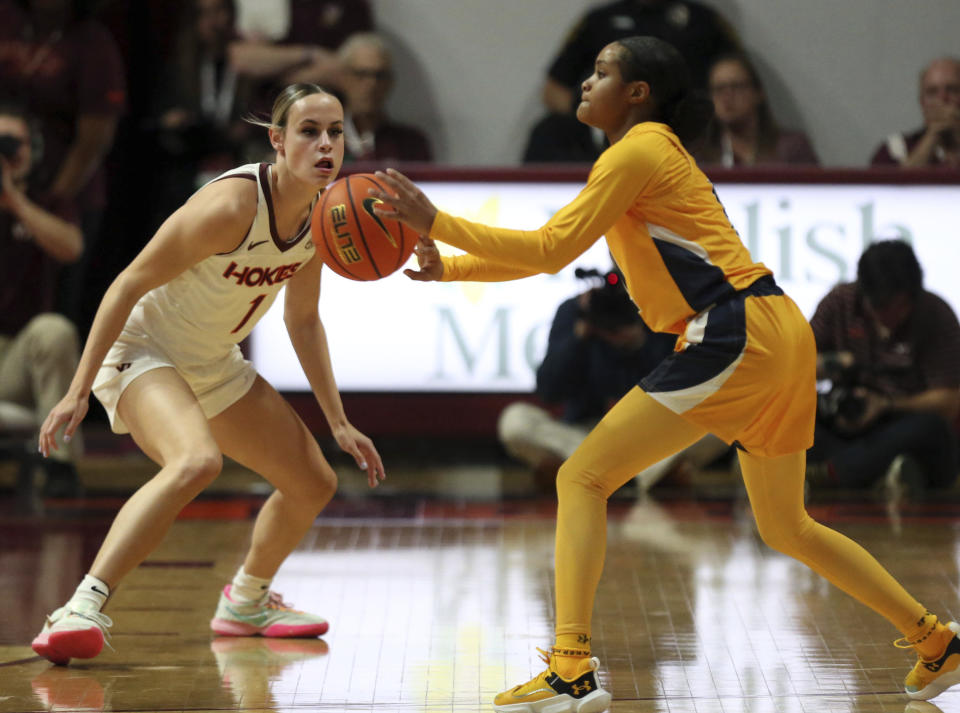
point(368, 204)
point(94, 588)
point(251, 246)
point(255, 619)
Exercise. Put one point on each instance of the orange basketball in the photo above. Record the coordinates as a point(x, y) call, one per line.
point(351, 239)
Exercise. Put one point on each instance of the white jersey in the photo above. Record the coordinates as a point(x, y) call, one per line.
point(200, 314)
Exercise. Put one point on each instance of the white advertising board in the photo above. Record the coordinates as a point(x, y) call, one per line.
point(398, 335)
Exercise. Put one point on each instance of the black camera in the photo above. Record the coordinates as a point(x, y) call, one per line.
point(609, 307)
point(9, 145)
point(841, 404)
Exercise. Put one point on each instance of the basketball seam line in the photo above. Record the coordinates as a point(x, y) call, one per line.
point(363, 237)
point(323, 231)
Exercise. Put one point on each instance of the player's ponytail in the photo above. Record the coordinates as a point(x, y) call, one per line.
point(685, 110)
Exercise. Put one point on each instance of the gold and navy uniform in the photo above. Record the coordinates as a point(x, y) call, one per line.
point(742, 371)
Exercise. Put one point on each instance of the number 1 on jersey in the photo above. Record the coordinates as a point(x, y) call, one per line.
point(254, 303)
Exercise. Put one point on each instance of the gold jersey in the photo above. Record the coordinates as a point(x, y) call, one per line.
point(664, 225)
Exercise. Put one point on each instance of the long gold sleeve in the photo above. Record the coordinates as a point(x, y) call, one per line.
point(470, 268)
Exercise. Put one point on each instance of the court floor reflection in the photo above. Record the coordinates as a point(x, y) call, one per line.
point(440, 608)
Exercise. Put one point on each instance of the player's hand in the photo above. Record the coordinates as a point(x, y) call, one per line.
point(875, 405)
point(943, 118)
point(409, 203)
point(69, 411)
point(363, 452)
point(428, 260)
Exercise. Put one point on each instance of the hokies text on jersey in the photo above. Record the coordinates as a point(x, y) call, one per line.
point(259, 276)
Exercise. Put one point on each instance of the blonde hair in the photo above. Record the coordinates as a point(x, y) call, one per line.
point(290, 95)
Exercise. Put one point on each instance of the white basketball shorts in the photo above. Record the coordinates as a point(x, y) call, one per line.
point(217, 384)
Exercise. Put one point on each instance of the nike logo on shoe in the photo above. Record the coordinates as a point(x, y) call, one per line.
point(255, 619)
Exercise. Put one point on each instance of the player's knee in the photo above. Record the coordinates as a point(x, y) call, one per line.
point(52, 336)
point(197, 470)
point(580, 477)
point(319, 488)
point(779, 535)
point(574, 481)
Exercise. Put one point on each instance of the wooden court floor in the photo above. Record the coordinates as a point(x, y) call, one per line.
point(436, 604)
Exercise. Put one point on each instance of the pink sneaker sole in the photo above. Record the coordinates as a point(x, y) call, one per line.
point(225, 627)
point(60, 646)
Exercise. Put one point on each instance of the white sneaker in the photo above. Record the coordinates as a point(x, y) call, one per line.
point(271, 617)
point(69, 633)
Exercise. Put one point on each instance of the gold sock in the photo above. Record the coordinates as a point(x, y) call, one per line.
point(930, 637)
point(567, 653)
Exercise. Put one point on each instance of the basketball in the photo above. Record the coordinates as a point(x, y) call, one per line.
point(351, 239)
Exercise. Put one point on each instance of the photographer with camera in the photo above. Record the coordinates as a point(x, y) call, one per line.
point(39, 350)
point(598, 349)
point(891, 351)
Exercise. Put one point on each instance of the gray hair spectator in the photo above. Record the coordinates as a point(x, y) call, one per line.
point(937, 143)
point(367, 71)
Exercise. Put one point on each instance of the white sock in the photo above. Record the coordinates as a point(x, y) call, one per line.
point(247, 588)
point(91, 595)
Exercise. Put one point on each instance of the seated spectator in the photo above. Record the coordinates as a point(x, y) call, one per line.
point(743, 131)
point(598, 349)
point(39, 350)
point(66, 69)
point(199, 131)
point(938, 142)
point(307, 50)
point(696, 30)
point(892, 352)
point(367, 71)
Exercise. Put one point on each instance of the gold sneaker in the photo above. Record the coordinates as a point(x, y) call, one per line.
point(931, 677)
point(551, 692)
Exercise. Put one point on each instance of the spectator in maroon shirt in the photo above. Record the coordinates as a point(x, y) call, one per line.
point(38, 233)
point(744, 132)
point(67, 70)
point(892, 351)
point(307, 52)
point(938, 142)
point(370, 134)
point(198, 128)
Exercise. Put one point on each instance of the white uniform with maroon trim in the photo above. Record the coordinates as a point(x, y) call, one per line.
point(194, 322)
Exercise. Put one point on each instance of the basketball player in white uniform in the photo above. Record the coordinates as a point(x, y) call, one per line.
point(162, 357)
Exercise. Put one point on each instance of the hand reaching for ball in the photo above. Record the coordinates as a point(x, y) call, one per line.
point(408, 204)
point(428, 260)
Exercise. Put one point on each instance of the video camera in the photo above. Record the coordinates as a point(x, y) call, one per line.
point(841, 404)
point(609, 307)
